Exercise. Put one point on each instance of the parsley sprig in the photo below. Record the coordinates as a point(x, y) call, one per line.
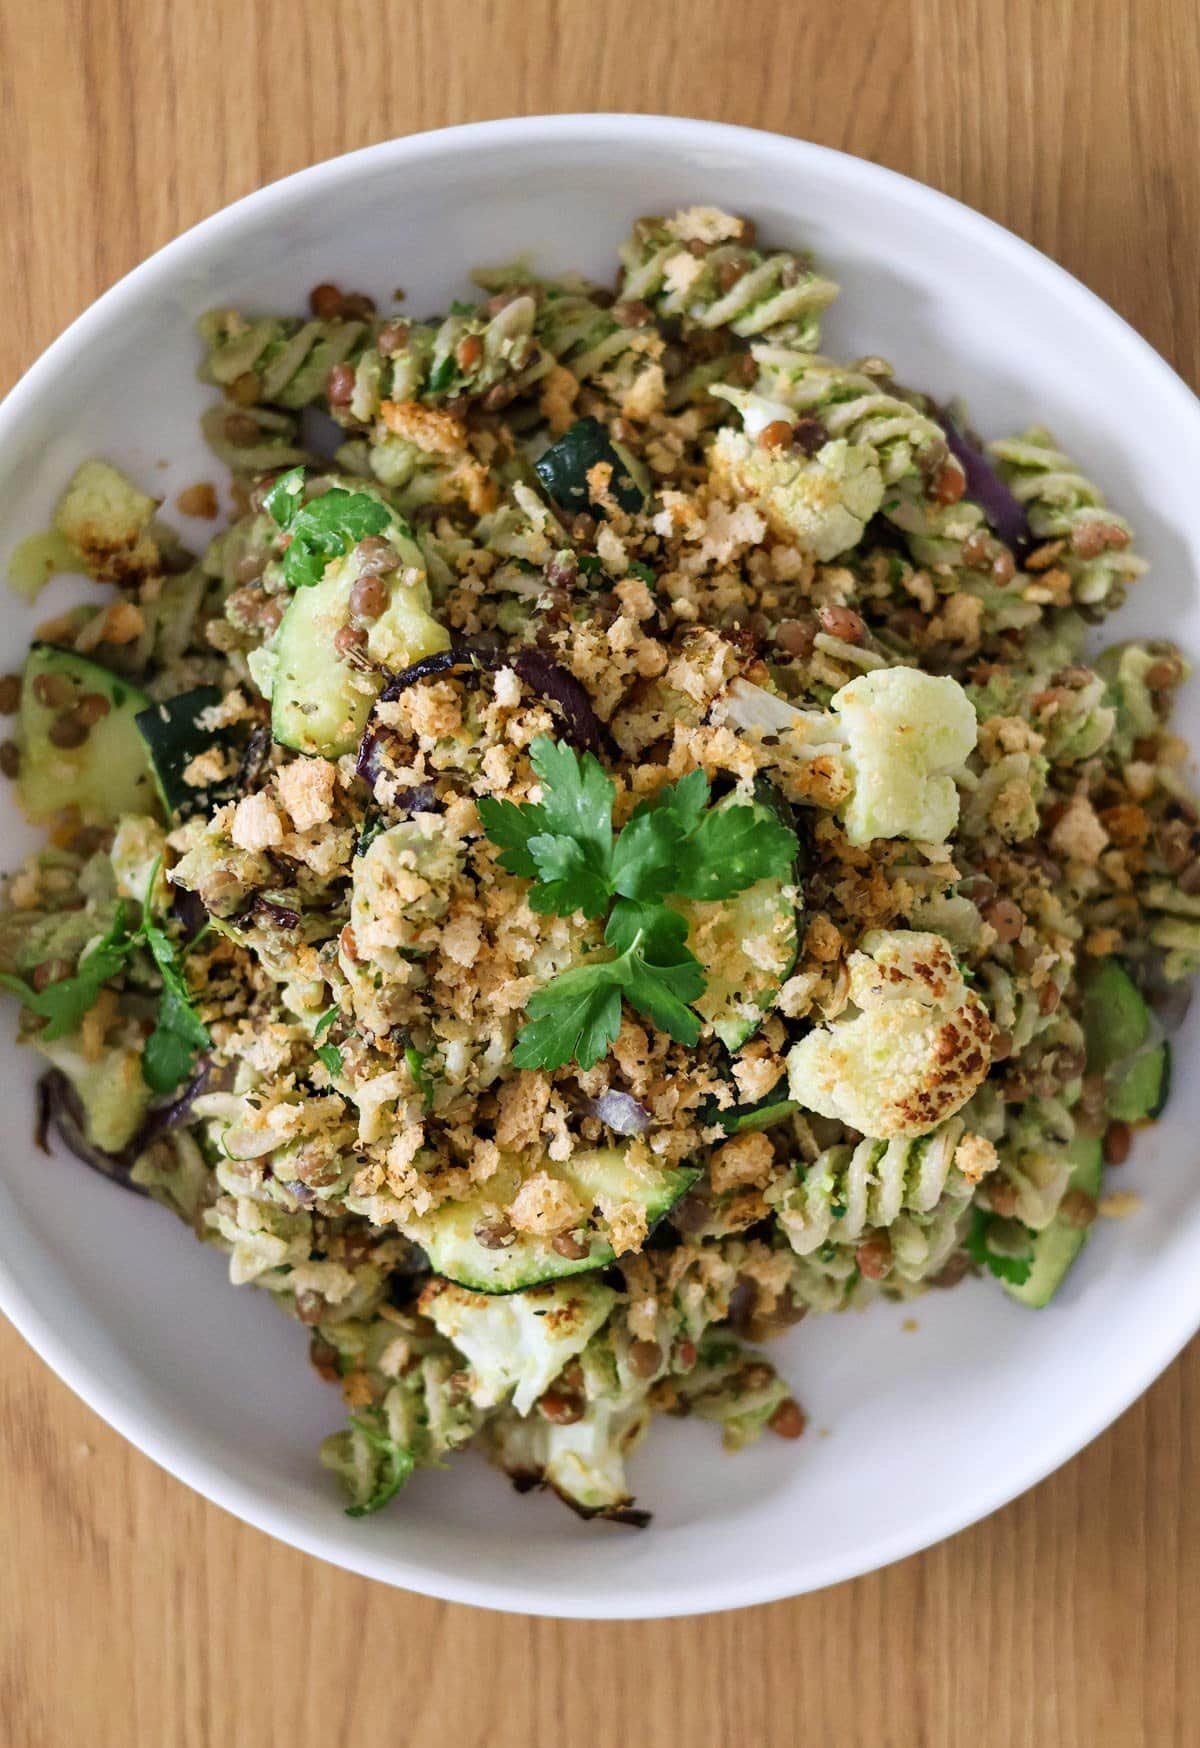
point(674, 845)
point(1013, 1269)
point(179, 1034)
point(322, 530)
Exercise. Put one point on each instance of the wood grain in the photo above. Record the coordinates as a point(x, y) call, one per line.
point(131, 1612)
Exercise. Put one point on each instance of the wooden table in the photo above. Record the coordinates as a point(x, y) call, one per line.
point(131, 1612)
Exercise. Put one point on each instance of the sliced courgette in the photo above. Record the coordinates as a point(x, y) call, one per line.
point(1056, 1247)
point(563, 468)
point(320, 703)
point(451, 1235)
point(1116, 1020)
point(108, 772)
point(173, 738)
point(1124, 1044)
point(1138, 1089)
point(763, 1114)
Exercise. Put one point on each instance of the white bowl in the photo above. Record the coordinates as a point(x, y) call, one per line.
point(914, 1434)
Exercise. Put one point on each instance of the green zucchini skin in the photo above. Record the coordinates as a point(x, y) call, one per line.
point(109, 772)
point(448, 1235)
point(1124, 1044)
point(173, 738)
point(1055, 1248)
point(563, 468)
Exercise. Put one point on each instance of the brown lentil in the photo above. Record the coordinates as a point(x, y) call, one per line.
point(198, 500)
point(645, 1358)
point(776, 435)
point(10, 693)
point(843, 623)
point(568, 1245)
point(10, 759)
point(67, 730)
point(376, 556)
point(634, 314)
point(349, 639)
point(325, 301)
point(874, 1258)
point(339, 385)
point(91, 708)
point(561, 1407)
point(795, 636)
point(495, 1234)
point(393, 338)
point(369, 597)
point(1005, 917)
point(53, 690)
point(1118, 1139)
point(788, 1420)
point(950, 483)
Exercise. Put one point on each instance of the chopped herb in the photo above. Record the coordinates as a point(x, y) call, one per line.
point(322, 530)
point(638, 569)
point(326, 1020)
point(396, 1465)
point(416, 1060)
point(1013, 1269)
point(63, 1004)
point(179, 1034)
point(442, 375)
point(674, 844)
point(461, 308)
point(331, 1056)
point(589, 563)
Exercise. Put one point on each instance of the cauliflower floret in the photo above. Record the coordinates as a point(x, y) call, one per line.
point(821, 502)
point(518, 1341)
point(897, 732)
point(907, 730)
point(908, 1051)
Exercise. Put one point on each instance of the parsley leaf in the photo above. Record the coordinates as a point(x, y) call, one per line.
point(575, 1017)
point(673, 844)
point(395, 1466)
point(638, 569)
point(326, 1020)
point(322, 530)
point(647, 853)
point(564, 842)
point(730, 849)
point(179, 1034)
point(1013, 1269)
point(415, 1060)
point(63, 1004)
point(331, 1056)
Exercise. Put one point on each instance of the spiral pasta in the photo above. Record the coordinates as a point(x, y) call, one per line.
point(855, 404)
point(287, 361)
point(848, 1190)
point(1063, 504)
point(729, 285)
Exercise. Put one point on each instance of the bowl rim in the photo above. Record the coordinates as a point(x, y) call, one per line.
point(151, 1432)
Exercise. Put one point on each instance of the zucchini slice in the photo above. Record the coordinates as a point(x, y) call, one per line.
point(563, 468)
point(1124, 1044)
point(320, 704)
point(108, 772)
point(1056, 1247)
point(765, 1113)
point(173, 738)
point(449, 1236)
